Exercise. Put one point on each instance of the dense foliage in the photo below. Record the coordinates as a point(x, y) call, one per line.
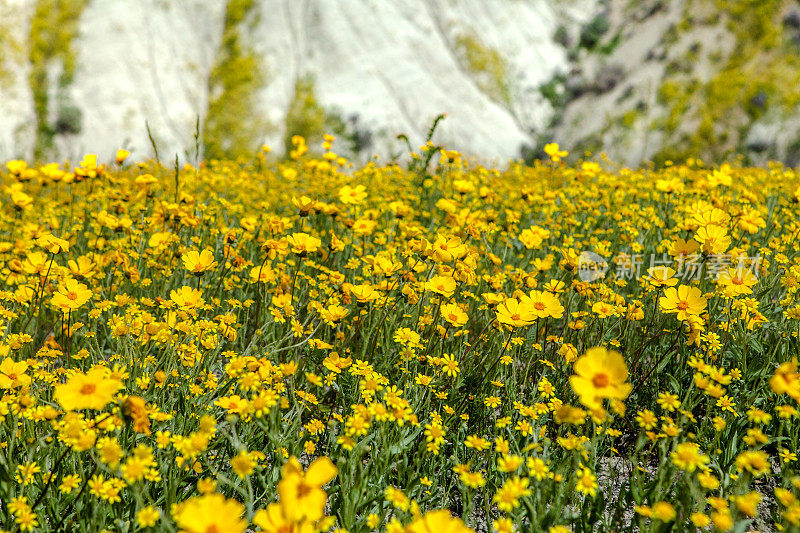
point(305, 345)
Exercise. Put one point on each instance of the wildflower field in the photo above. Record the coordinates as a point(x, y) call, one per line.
point(310, 345)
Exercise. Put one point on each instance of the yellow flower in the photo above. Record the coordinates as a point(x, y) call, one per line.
point(71, 295)
point(134, 409)
point(569, 352)
point(552, 150)
point(646, 419)
point(722, 520)
point(186, 297)
point(444, 285)
point(243, 464)
point(303, 243)
point(110, 451)
point(449, 157)
point(396, 497)
point(82, 267)
point(26, 520)
point(603, 309)
point(785, 496)
point(533, 237)
point(507, 497)
point(16, 167)
point(21, 200)
point(440, 521)
point(713, 239)
point(755, 462)
point(708, 481)
point(586, 482)
point(13, 374)
point(509, 463)
point(147, 516)
point(668, 401)
point(333, 314)
point(449, 365)
point(747, 503)
point(304, 205)
point(198, 262)
point(543, 304)
point(454, 315)
point(661, 276)
point(663, 511)
point(477, 443)
point(687, 456)
point(273, 520)
point(121, 156)
point(53, 244)
point(446, 249)
point(210, 513)
point(25, 473)
point(700, 520)
point(69, 483)
point(206, 485)
point(352, 195)
point(600, 374)
point(373, 520)
point(736, 282)
point(685, 300)
point(89, 162)
point(364, 293)
point(786, 380)
point(537, 468)
point(93, 390)
point(301, 492)
point(515, 313)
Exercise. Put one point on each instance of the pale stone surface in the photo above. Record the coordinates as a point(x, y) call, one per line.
point(385, 67)
point(393, 65)
point(143, 62)
point(17, 119)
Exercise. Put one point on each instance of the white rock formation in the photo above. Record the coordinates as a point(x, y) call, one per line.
point(143, 62)
point(394, 64)
point(17, 119)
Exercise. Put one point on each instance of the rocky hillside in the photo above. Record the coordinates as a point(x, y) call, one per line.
point(651, 79)
point(675, 79)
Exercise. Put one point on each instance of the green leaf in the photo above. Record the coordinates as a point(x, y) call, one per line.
point(4, 475)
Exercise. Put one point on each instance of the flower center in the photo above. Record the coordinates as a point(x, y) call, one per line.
point(600, 380)
point(303, 490)
point(88, 388)
point(539, 305)
point(72, 295)
point(683, 305)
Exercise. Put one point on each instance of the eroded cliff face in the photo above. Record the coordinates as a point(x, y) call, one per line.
point(17, 118)
point(131, 64)
point(651, 79)
point(368, 68)
point(702, 78)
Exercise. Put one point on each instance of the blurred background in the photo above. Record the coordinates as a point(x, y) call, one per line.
point(649, 80)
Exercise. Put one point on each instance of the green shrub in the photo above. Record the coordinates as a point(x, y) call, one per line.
point(594, 31)
point(231, 127)
point(53, 27)
point(487, 65)
point(305, 117)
